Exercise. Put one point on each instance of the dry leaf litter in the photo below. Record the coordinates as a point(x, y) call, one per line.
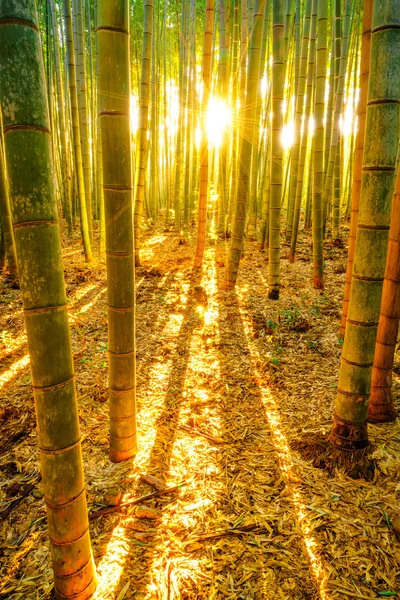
point(228, 384)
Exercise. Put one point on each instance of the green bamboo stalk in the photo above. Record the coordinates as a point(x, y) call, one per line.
point(255, 163)
point(37, 237)
point(93, 119)
point(67, 111)
point(166, 140)
point(329, 107)
point(235, 128)
point(243, 56)
point(278, 85)
point(340, 66)
point(358, 154)
point(308, 209)
point(203, 195)
point(61, 115)
point(350, 167)
point(49, 69)
point(180, 151)
point(318, 175)
point(141, 138)
point(307, 65)
point(288, 27)
point(250, 17)
point(265, 185)
point(5, 215)
point(2, 248)
point(381, 408)
point(247, 135)
point(263, 233)
point(194, 121)
point(76, 130)
point(223, 92)
point(336, 198)
point(349, 431)
point(99, 158)
point(301, 88)
point(114, 112)
point(241, 100)
point(188, 69)
point(83, 110)
point(154, 167)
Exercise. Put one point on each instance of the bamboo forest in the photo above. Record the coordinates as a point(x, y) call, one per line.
point(199, 299)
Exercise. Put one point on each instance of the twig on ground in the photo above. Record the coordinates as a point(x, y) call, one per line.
point(111, 509)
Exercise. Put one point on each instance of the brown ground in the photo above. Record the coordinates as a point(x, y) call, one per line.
point(226, 392)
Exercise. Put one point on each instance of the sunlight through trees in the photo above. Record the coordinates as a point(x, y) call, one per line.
point(199, 216)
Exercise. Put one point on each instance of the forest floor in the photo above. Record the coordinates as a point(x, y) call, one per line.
point(228, 388)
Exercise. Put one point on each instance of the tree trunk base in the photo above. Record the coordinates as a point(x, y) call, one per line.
point(83, 595)
point(318, 282)
point(228, 285)
point(348, 437)
point(381, 413)
point(273, 293)
point(117, 456)
point(319, 450)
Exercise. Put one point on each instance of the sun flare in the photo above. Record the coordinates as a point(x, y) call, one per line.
point(219, 117)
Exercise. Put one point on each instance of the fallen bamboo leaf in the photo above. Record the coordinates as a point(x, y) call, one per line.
point(111, 509)
point(353, 594)
point(145, 512)
point(208, 436)
point(122, 593)
point(153, 481)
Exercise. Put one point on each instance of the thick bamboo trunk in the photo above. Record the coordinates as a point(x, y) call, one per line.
point(349, 430)
point(381, 407)
point(358, 154)
point(114, 111)
point(37, 236)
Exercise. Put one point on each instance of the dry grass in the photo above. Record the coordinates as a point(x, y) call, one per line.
point(232, 391)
